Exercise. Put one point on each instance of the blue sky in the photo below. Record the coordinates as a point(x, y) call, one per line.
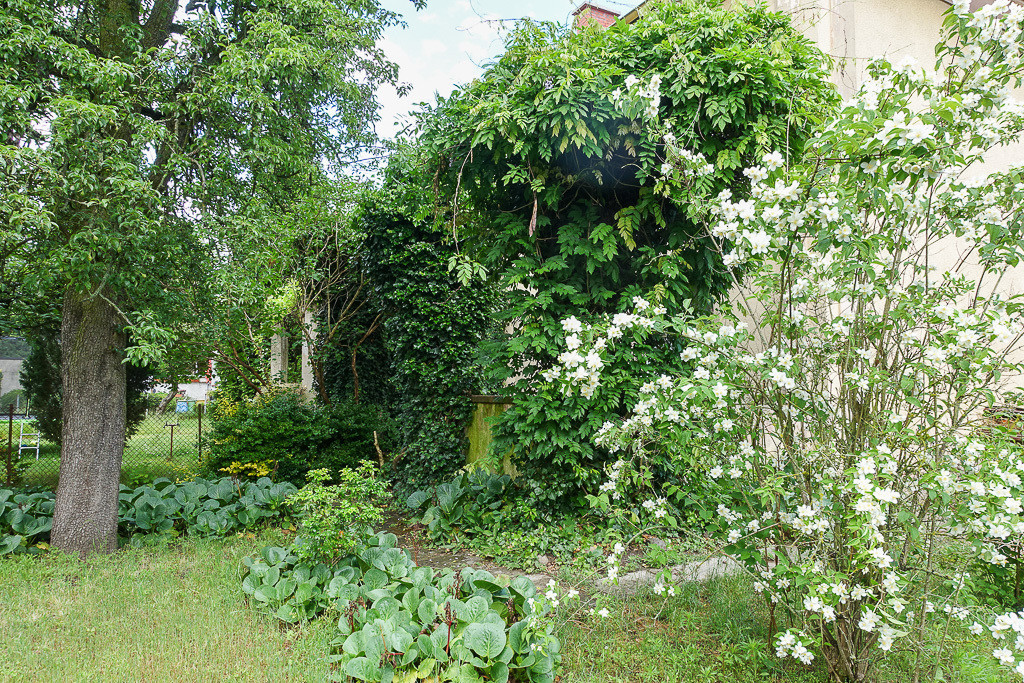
point(447, 43)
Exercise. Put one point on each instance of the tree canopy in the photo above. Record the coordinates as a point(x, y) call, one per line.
point(131, 132)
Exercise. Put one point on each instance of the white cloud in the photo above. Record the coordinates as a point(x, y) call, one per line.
point(430, 48)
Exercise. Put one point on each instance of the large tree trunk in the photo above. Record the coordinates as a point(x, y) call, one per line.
point(93, 376)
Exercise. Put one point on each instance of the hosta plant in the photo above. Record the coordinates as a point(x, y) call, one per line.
point(198, 508)
point(400, 622)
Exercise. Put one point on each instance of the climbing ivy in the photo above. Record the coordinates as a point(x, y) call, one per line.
point(432, 327)
point(555, 186)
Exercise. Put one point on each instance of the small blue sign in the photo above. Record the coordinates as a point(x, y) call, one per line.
point(181, 407)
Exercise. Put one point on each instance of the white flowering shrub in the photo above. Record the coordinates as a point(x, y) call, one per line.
point(838, 400)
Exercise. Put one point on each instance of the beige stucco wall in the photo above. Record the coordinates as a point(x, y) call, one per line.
point(853, 32)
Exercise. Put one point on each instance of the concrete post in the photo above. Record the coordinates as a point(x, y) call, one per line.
point(279, 358)
point(307, 365)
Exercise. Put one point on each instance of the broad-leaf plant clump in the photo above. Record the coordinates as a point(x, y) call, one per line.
point(555, 188)
point(400, 622)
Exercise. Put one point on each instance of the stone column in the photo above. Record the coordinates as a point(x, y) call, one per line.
point(279, 358)
point(307, 366)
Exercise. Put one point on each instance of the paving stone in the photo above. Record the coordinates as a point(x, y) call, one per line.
point(701, 570)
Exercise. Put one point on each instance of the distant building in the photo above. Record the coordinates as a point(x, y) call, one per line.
point(589, 14)
point(13, 352)
point(11, 379)
point(197, 387)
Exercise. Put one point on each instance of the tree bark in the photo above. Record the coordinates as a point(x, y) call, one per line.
point(166, 401)
point(93, 377)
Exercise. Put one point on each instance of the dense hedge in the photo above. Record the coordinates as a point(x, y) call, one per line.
point(283, 436)
point(422, 361)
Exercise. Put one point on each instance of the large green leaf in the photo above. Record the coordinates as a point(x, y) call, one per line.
point(361, 668)
point(399, 641)
point(487, 640)
point(498, 673)
point(523, 586)
point(426, 611)
point(8, 544)
point(375, 578)
point(472, 610)
point(417, 499)
point(516, 638)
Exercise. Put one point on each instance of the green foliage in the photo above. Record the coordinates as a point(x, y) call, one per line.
point(484, 512)
point(468, 504)
point(25, 520)
point(295, 435)
point(400, 622)
point(997, 586)
point(13, 347)
point(136, 134)
point(554, 182)
point(433, 324)
point(201, 508)
point(15, 397)
point(41, 377)
point(335, 518)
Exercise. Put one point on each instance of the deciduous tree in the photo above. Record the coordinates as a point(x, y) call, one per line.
point(126, 128)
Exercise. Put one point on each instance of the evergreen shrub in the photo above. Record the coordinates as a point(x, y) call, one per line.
point(283, 436)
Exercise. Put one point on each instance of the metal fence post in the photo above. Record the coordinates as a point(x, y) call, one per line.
point(199, 438)
point(10, 444)
point(170, 456)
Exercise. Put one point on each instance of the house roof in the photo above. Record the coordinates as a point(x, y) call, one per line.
point(593, 5)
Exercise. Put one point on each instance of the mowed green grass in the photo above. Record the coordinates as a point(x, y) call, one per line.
point(175, 612)
point(147, 614)
point(147, 454)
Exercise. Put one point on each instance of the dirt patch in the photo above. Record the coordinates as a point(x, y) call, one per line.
point(410, 537)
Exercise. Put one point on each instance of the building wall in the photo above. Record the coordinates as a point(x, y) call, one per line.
point(588, 15)
point(11, 369)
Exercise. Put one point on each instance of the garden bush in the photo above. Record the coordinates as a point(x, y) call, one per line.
point(282, 436)
point(556, 189)
point(838, 398)
point(334, 517)
point(201, 507)
point(400, 622)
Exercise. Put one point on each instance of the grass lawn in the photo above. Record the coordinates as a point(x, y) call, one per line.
point(147, 455)
point(174, 612)
point(147, 614)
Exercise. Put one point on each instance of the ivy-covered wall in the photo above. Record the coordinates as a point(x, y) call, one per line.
point(421, 360)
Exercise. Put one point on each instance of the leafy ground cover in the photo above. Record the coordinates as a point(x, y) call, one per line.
point(197, 508)
point(174, 611)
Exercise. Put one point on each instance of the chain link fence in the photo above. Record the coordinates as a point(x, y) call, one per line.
point(168, 444)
